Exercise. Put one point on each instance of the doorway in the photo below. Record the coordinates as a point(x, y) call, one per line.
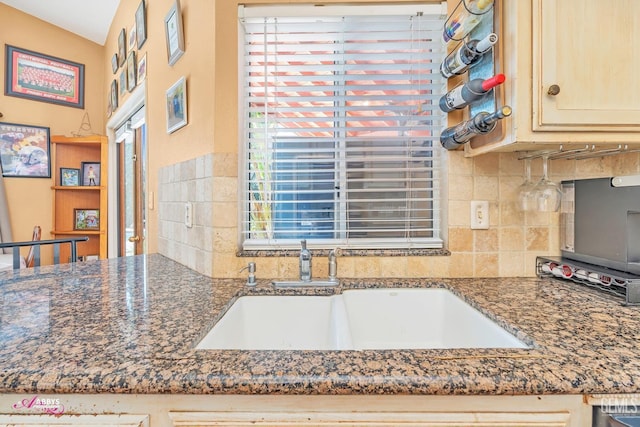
point(131, 158)
point(127, 187)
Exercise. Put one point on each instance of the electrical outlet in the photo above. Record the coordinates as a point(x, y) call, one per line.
point(479, 215)
point(188, 214)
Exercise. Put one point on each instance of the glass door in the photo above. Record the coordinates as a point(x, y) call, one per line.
point(131, 191)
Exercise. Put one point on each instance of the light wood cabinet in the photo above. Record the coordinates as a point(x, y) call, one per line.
point(71, 152)
point(586, 51)
point(93, 420)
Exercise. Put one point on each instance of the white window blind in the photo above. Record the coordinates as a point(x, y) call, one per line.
point(341, 125)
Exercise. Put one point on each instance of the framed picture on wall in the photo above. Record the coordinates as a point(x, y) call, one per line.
point(141, 24)
point(131, 71)
point(90, 173)
point(86, 219)
point(114, 95)
point(174, 33)
point(45, 78)
point(142, 69)
point(131, 39)
point(122, 47)
point(176, 105)
point(25, 151)
point(114, 63)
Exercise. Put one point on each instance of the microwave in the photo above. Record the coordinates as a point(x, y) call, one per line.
point(600, 222)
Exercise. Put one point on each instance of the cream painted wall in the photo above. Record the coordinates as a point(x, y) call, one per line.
point(196, 65)
point(29, 199)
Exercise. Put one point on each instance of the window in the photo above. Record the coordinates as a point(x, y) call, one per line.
point(340, 125)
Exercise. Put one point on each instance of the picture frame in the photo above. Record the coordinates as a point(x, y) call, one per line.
point(122, 47)
point(176, 105)
point(131, 71)
point(142, 69)
point(114, 95)
point(141, 24)
point(25, 78)
point(90, 173)
point(114, 63)
point(122, 81)
point(131, 38)
point(86, 219)
point(174, 33)
point(69, 177)
point(25, 151)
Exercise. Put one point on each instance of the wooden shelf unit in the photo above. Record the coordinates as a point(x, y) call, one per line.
point(70, 152)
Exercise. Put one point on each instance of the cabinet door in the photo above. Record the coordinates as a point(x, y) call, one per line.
point(590, 50)
point(371, 419)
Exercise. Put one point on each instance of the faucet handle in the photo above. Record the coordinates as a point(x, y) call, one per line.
point(251, 279)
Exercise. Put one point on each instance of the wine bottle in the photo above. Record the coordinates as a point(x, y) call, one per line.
point(472, 91)
point(464, 18)
point(483, 122)
point(466, 56)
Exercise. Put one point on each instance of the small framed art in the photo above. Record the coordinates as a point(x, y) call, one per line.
point(86, 219)
point(69, 177)
point(141, 24)
point(90, 173)
point(176, 105)
point(174, 33)
point(122, 47)
point(114, 95)
point(114, 63)
point(132, 69)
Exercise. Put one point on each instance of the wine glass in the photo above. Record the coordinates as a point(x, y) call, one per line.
point(527, 191)
point(547, 192)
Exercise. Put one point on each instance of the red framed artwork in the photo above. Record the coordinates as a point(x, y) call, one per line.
point(45, 78)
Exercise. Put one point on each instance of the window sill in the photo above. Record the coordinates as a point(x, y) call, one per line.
point(347, 252)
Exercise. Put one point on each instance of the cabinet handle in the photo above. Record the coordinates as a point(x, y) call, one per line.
point(553, 90)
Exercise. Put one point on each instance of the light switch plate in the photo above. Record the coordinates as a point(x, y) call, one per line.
point(188, 214)
point(479, 215)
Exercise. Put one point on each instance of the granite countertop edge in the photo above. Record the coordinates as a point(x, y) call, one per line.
point(137, 337)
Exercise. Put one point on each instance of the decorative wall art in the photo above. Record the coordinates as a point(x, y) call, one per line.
point(122, 81)
point(141, 24)
point(174, 33)
point(114, 95)
point(40, 77)
point(131, 39)
point(176, 105)
point(25, 151)
point(142, 68)
point(132, 69)
point(114, 63)
point(122, 47)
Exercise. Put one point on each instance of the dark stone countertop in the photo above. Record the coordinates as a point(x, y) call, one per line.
point(129, 325)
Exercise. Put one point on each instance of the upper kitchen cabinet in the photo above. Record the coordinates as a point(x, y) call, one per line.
point(571, 69)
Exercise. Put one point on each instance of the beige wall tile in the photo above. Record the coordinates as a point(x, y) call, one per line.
point(460, 239)
point(485, 265)
point(537, 239)
point(485, 240)
point(511, 239)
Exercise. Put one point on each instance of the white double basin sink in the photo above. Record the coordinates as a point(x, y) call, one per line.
point(363, 319)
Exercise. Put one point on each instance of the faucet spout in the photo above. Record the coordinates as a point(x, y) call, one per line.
point(333, 266)
point(305, 262)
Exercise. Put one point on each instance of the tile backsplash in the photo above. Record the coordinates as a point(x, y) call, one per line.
point(507, 249)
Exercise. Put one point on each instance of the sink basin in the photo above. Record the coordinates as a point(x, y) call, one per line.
point(363, 319)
